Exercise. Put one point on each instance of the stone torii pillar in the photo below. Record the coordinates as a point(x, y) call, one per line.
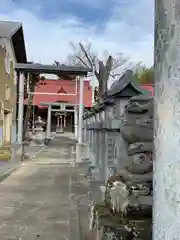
point(167, 121)
point(20, 108)
point(76, 122)
point(49, 122)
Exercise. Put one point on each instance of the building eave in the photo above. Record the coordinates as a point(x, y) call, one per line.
point(52, 69)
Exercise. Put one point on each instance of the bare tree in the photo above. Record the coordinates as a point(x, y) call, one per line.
point(110, 66)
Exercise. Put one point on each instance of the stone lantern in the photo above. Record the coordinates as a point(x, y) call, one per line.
point(39, 137)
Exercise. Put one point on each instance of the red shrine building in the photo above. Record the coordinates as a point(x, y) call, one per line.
point(149, 87)
point(61, 87)
point(59, 91)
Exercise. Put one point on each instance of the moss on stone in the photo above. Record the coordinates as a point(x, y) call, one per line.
point(105, 215)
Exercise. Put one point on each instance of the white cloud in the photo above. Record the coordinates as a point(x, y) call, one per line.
point(48, 40)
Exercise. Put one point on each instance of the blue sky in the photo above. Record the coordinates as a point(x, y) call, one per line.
point(119, 26)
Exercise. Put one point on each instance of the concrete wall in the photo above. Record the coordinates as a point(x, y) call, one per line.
point(7, 79)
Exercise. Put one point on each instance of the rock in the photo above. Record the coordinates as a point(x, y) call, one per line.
point(137, 126)
point(135, 107)
point(141, 163)
point(131, 178)
point(140, 147)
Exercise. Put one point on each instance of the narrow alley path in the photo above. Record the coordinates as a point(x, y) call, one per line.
point(39, 201)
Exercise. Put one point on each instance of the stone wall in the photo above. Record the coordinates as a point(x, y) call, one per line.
point(120, 152)
point(118, 135)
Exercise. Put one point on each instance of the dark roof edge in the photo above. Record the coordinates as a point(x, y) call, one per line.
point(129, 79)
point(40, 67)
point(138, 87)
point(23, 41)
point(19, 30)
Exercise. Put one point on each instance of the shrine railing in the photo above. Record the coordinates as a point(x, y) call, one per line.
point(106, 149)
point(102, 137)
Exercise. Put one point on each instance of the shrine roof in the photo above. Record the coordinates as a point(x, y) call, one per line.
point(60, 86)
point(125, 82)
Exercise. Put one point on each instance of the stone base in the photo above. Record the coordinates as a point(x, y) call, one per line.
point(36, 144)
point(59, 130)
point(38, 139)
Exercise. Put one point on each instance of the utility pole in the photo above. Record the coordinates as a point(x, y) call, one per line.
point(166, 212)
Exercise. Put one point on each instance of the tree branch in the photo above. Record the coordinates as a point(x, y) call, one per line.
point(86, 55)
point(102, 69)
point(80, 59)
